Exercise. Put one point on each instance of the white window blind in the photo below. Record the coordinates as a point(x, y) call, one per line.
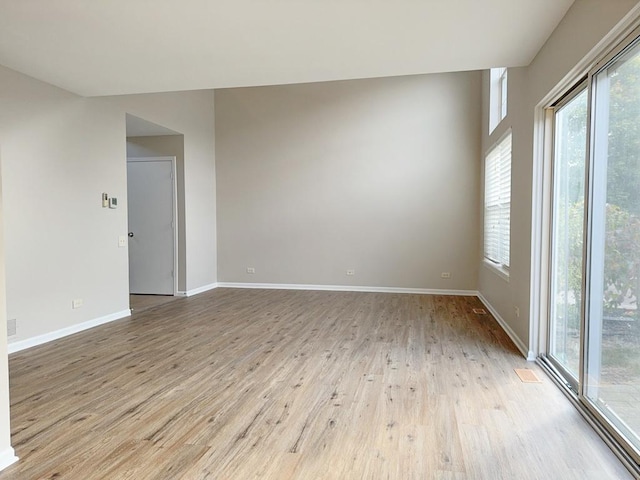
point(497, 203)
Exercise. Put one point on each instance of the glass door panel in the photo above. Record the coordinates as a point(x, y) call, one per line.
point(612, 349)
point(567, 233)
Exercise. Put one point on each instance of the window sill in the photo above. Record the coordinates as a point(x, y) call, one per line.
point(500, 271)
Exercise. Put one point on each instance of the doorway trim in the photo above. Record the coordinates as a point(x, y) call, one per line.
point(174, 194)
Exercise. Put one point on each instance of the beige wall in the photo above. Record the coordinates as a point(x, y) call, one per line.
point(59, 153)
point(380, 176)
point(584, 26)
point(7, 455)
point(172, 146)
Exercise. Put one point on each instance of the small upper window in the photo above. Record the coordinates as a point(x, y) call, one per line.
point(497, 97)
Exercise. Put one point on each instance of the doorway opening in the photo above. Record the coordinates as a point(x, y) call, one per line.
point(155, 207)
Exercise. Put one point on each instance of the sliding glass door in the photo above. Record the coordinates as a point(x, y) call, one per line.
point(612, 349)
point(594, 324)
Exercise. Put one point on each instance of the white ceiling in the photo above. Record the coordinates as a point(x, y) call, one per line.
point(107, 47)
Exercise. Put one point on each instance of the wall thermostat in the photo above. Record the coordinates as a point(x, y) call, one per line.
point(113, 202)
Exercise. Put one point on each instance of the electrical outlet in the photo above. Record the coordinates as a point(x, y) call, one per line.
point(76, 303)
point(11, 327)
point(251, 270)
point(517, 311)
point(122, 241)
point(351, 272)
point(445, 275)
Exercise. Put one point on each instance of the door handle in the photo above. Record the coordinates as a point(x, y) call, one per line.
point(130, 234)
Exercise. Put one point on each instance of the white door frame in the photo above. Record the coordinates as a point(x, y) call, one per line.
point(174, 194)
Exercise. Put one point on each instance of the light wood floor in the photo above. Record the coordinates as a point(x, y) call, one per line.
point(138, 303)
point(241, 384)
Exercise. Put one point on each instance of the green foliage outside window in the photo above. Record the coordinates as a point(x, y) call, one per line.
point(622, 229)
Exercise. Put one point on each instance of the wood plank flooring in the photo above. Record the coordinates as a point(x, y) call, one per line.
point(138, 302)
point(242, 384)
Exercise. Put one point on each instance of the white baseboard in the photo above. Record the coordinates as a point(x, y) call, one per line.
point(347, 288)
point(7, 457)
point(508, 330)
point(63, 332)
point(195, 291)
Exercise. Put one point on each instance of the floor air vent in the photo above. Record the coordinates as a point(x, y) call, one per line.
point(527, 375)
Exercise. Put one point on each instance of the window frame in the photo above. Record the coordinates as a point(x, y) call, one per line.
point(580, 87)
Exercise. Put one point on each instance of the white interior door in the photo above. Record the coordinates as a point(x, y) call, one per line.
point(150, 189)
